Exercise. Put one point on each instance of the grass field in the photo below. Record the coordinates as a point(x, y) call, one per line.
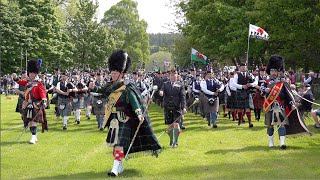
point(228, 152)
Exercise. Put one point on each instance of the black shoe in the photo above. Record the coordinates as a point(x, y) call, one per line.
point(155, 153)
point(250, 125)
point(78, 121)
point(101, 129)
point(209, 124)
point(243, 121)
point(88, 117)
point(225, 115)
point(182, 127)
point(258, 119)
point(283, 147)
point(64, 127)
point(214, 126)
point(111, 174)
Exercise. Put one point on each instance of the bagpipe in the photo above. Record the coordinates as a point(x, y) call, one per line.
point(70, 85)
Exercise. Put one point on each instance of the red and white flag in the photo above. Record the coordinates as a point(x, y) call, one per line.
point(258, 33)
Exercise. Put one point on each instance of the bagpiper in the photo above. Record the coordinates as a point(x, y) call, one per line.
point(35, 99)
point(125, 114)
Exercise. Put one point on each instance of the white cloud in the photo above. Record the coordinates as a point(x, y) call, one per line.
point(155, 12)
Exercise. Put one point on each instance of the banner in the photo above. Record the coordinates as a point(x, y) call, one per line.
point(196, 56)
point(258, 33)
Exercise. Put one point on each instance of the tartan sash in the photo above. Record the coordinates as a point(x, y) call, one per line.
point(112, 100)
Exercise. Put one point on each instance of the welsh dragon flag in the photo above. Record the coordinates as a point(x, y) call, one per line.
point(196, 56)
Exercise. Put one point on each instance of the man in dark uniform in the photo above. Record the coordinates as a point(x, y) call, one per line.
point(174, 102)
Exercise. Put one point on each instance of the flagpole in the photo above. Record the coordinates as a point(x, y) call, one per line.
point(247, 58)
point(191, 56)
point(26, 58)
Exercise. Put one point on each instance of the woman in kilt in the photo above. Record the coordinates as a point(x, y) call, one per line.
point(35, 99)
point(63, 90)
point(124, 114)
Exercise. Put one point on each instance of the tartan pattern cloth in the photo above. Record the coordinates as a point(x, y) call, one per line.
point(54, 100)
point(171, 116)
point(68, 106)
point(87, 99)
point(231, 100)
point(223, 97)
point(258, 100)
point(37, 115)
point(19, 105)
point(241, 99)
point(145, 139)
point(76, 105)
point(99, 109)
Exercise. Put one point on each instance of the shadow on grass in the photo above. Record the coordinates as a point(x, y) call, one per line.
point(13, 142)
point(128, 173)
point(251, 148)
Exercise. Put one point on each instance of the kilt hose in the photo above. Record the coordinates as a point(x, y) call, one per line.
point(66, 102)
point(241, 99)
point(258, 100)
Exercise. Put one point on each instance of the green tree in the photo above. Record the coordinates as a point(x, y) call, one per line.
point(11, 33)
point(129, 30)
point(92, 42)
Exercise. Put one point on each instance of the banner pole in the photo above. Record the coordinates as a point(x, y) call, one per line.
point(247, 58)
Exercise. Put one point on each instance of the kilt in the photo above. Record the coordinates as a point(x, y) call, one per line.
point(37, 115)
point(241, 99)
point(223, 97)
point(145, 139)
point(258, 100)
point(268, 119)
point(87, 99)
point(19, 105)
point(201, 101)
point(68, 106)
point(99, 109)
point(231, 100)
point(54, 99)
point(207, 108)
point(171, 116)
point(76, 105)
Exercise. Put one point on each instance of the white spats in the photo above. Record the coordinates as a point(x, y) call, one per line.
point(33, 139)
point(271, 142)
point(116, 167)
point(282, 140)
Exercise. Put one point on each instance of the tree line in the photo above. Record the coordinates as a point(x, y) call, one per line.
point(219, 29)
point(67, 33)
